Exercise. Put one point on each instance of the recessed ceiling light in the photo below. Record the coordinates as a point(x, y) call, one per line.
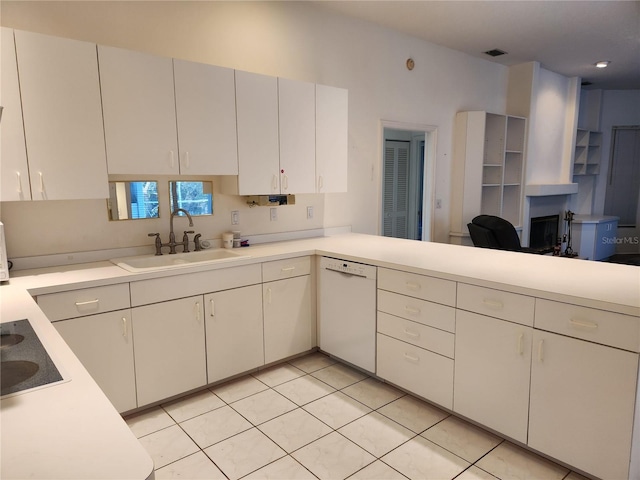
point(603, 64)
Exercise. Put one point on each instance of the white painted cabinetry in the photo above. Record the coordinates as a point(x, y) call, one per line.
point(297, 136)
point(415, 341)
point(206, 118)
point(139, 112)
point(235, 341)
point(288, 320)
point(258, 150)
point(169, 348)
point(62, 115)
point(583, 392)
point(14, 172)
point(332, 127)
point(493, 359)
point(96, 324)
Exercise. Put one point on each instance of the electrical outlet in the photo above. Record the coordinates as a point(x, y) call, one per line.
point(274, 214)
point(438, 203)
point(235, 217)
point(309, 212)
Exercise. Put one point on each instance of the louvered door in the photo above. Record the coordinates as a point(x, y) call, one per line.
point(396, 189)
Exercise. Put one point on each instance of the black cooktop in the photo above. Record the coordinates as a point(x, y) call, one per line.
point(24, 361)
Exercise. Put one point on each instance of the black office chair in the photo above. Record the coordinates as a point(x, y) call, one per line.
point(489, 231)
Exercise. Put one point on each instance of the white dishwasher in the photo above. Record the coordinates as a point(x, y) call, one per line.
point(347, 301)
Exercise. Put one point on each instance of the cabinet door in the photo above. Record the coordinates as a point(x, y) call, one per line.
point(62, 117)
point(582, 403)
point(287, 317)
point(297, 117)
point(206, 118)
point(258, 152)
point(14, 174)
point(104, 345)
point(234, 331)
point(170, 348)
point(332, 115)
point(139, 112)
point(492, 364)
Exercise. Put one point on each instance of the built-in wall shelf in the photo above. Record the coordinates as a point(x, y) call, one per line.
point(491, 147)
point(545, 190)
point(586, 160)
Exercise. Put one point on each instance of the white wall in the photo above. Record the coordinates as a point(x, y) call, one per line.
point(289, 39)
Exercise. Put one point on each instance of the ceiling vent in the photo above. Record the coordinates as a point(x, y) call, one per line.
point(586, 83)
point(495, 52)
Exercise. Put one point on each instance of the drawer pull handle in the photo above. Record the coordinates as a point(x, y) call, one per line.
point(411, 310)
point(411, 358)
point(493, 303)
point(19, 183)
point(88, 302)
point(411, 334)
point(172, 159)
point(197, 311)
point(287, 269)
point(274, 182)
point(541, 351)
point(583, 323)
point(124, 327)
point(412, 285)
point(521, 344)
point(269, 295)
point(320, 182)
point(213, 308)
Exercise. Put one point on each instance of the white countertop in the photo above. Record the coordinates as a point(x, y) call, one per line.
point(601, 285)
point(70, 430)
point(67, 430)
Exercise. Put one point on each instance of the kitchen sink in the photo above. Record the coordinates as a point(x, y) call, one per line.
point(145, 263)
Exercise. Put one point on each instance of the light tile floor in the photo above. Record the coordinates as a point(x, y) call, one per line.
point(315, 418)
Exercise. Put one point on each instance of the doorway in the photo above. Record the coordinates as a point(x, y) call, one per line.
point(407, 181)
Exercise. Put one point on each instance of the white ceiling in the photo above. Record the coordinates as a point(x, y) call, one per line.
point(566, 37)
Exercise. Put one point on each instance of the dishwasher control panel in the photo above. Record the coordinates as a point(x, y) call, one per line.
point(351, 268)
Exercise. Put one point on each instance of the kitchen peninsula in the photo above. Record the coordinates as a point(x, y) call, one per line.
point(581, 308)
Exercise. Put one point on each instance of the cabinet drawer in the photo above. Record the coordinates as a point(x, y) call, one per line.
point(280, 269)
point(87, 301)
point(421, 311)
point(419, 286)
point(432, 339)
point(181, 286)
point(496, 303)
point(599, 326)
point(419, 371)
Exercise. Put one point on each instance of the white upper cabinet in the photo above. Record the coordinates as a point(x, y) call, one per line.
point(63, 126)
point(206, 118)
point(14, 176)
point(139, 112)
point(258, 151)
point(297, 110)
point(332, 115)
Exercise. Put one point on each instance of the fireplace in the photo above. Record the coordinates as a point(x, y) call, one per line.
point(543, 233)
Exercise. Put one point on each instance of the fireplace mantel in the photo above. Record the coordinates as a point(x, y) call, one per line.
point(549, 189)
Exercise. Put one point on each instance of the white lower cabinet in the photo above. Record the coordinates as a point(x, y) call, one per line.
point(169, 348)
point(493, 359)
point(287, 317)
point(104, 345)
point(415, 369)
point(582, 403)
point(234, 334)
